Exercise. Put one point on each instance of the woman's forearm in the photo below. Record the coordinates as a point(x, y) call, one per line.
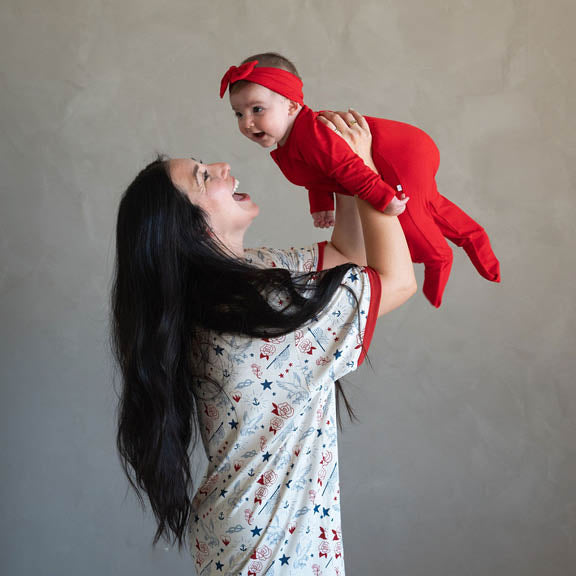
point(387, 252)
point(347, 236)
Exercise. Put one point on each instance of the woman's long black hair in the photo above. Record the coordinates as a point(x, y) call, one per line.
point(173, 282)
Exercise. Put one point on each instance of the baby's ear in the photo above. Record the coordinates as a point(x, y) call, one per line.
point(293, 107)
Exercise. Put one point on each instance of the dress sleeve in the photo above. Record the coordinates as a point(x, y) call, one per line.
point(330, 154)
point(337, 341)
point(307, 259)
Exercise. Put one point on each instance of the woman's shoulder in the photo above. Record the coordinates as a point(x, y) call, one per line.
point(307, 259)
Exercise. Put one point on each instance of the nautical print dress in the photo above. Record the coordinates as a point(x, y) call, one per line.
point(269, 503)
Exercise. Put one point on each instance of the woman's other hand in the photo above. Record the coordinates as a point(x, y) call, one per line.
point(354, 129)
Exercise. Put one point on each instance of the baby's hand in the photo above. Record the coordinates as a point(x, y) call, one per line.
point(324, 219)
point(396, 206)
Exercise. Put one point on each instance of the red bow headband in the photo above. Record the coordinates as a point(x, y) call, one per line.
point(275, 79)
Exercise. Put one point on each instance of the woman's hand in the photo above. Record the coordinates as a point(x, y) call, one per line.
point(354, 129)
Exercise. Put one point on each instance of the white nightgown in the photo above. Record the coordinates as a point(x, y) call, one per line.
point(269, 503)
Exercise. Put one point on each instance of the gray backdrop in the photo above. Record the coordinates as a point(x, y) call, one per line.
point(463, 463)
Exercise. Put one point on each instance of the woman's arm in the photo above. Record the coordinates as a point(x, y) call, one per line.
point(347, 241)
point(384, 243)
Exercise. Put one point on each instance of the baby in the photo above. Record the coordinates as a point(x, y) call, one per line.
point(266, 96)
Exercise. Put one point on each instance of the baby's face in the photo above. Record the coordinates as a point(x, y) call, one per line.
point(265, 117)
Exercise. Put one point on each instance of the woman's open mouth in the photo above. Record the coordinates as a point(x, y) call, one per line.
point(238, 196)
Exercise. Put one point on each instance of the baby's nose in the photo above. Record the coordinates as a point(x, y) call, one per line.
point(247, 122)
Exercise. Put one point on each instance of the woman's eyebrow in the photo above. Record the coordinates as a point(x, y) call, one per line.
point(195, 171)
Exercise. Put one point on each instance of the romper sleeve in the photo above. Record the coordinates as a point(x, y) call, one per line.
point(331, 155)
point(337, 341)
point(320, 200)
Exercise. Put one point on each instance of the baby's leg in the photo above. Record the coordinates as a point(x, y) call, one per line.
point(465, 232)
point(428, 246)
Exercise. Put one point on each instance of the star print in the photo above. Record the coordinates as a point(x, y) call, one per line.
point(218, 349)
point(266, 457)
point(219, 566)
point(317, 509)
point(284, 560)
point(353, 277)
point(256, 531)
point(319, 432)
point(288, 483)
point(233, 424)
point(223, 493)
point(266, 385)
point(337, 354)
point(325, 512)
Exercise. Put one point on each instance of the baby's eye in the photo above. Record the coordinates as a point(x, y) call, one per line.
point(238, 114)
point(257, 109)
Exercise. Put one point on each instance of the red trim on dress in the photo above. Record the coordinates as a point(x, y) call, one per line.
point(375, 295)
point(321, 247)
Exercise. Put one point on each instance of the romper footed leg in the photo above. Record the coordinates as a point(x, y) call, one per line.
point(436, 276)
point(465, 232)
point(428, 246)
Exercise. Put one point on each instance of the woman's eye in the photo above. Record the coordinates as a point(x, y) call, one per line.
point(205, 175)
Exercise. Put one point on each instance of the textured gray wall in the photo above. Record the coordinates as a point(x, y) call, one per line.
point(463, 463)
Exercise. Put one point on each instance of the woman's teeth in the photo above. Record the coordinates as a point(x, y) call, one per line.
point(238, 196)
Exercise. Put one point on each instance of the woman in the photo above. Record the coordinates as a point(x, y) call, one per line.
point(244, 347)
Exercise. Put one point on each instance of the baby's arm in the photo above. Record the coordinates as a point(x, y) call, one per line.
point(396, 206)
point(328, 153)
point(321, 208)
point(323, 219)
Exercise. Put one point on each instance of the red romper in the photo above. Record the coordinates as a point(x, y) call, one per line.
point(407, 159)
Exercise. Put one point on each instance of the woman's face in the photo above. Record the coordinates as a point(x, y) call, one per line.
point(216, 191)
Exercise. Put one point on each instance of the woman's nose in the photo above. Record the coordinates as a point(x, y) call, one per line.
point(222, 169)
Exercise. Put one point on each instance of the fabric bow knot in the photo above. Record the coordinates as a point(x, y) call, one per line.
point(236, 73)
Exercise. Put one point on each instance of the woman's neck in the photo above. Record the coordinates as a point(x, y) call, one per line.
point(234, 244)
